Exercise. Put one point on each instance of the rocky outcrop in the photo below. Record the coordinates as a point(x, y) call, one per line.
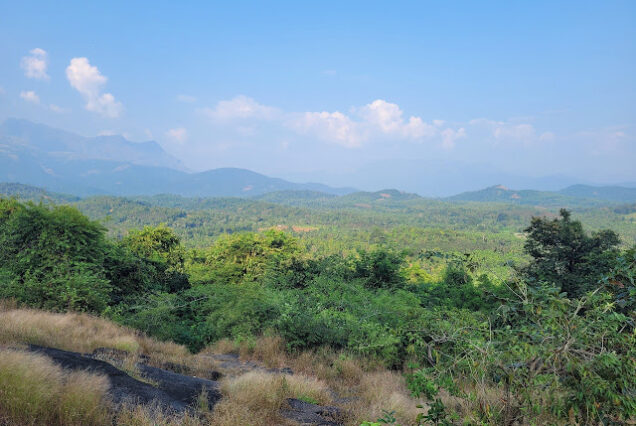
point(306, 413)
point(173, 391)
point(177, 392)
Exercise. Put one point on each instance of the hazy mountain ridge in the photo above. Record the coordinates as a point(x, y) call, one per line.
point(48, 141)
point(575, 195)
point(60, 161)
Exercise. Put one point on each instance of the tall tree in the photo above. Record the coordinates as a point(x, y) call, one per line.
point(567, 256)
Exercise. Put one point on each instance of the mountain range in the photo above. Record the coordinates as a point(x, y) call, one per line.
point(60, 161)
point(64, 162)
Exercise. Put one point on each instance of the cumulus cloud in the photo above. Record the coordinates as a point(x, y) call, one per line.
point(88, 81)
point(331, 126)
point(378, 120)
point(30, 96)
point(178, 135)
point(186, 99)
point(449, 136)
point(35, 64)
point(240, 107)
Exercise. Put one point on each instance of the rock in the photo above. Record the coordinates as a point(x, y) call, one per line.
point(306, 413)
point(182, 388)
point(123, 388)
point(174, 391)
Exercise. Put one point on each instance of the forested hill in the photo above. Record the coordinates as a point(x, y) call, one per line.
point(576, 195)
point(317, 217)
point(617, 194)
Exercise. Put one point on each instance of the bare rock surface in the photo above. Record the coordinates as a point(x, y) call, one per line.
point(178, 392)
point(306, 413)
point(185, 389)
point(123, 388)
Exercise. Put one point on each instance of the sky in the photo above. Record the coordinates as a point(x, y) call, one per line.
point(304, 90)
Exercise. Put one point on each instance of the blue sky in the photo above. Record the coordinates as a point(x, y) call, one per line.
point(310, 89)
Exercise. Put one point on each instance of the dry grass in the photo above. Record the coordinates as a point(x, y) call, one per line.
point(84, 333)
point(33, 390)
point(385, 390)
point(256, 398)
point(70, 331)
point(372, 388)
point(138, 415)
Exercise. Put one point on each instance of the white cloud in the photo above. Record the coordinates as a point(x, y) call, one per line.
point(186, 99)
point(388, 118)
point(240, 107)
point(35, 64)
point(30, 96)
point(449, 136)
point(330, 126)
point(378, 120)
point(516, 131)
point(87, 80)
point(178, 135)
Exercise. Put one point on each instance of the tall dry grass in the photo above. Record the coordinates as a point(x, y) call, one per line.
point(34, 390)
point(70, 331)
point(368, 387)
point(256, 397)
point(84, 333)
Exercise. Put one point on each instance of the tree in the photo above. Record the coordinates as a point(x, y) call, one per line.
point(380, 268)
point(563, 254)
point(52, 257)
point(157, 257)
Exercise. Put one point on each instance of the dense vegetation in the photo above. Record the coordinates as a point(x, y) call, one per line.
point(451, 296)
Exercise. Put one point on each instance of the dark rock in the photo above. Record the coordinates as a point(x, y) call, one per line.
point(182, 388)
point(123, 388)
point(306, 413)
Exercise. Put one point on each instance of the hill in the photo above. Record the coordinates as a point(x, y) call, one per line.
point(60, 161)
point(501, 194)
point(33, 193)
point(617, 194)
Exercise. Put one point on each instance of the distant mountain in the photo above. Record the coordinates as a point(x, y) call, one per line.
point(294, 197)
point(38, 139)
point(573, 196)
point(501, 194)
point(64, 162)
point(33, 193)
point(435, 176)
point(617, 194)
point(385, 196)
